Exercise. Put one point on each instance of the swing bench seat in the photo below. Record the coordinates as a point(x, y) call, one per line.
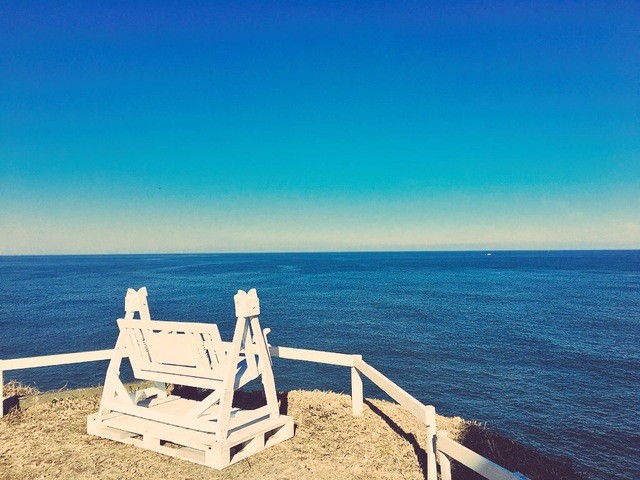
point(209, 431)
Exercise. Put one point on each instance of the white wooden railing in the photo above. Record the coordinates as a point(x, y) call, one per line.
point(445, 447)
point(448, 448)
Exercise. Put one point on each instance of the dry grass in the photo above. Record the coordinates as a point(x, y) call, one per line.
point(13, 388)
point(49, 441)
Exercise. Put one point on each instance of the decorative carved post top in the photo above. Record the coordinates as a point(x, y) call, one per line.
point(247, 303)
point(137, 302)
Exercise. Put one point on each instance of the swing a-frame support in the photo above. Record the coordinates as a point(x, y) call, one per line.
point(209, 431)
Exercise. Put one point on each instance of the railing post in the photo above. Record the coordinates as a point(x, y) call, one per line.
point(443, 460)
point(430, 421)
point(357, 394)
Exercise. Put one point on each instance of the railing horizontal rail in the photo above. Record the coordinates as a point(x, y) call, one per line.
point(51, 360)
point(315, 356)
point(394, 391)
point(471, 459)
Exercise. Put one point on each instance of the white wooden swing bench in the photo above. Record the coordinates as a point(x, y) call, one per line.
point(211, 432)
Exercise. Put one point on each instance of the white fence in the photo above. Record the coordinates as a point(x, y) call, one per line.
point(445, 447)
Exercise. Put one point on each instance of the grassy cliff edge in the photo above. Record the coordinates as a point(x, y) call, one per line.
point(49, 440)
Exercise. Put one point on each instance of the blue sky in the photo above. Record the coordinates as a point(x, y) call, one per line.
point(301, 126)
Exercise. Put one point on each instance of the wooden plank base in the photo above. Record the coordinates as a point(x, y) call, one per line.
point(191, 445)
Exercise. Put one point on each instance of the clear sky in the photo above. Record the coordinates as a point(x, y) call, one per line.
point(297, 126)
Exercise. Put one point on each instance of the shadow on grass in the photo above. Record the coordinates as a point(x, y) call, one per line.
point(420, 452)
point(501, 450)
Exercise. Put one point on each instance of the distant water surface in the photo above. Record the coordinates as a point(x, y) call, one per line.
point(543, 346)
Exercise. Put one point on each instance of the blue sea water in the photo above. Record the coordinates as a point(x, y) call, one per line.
point(542, 346)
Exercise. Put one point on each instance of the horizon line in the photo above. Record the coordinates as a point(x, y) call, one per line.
point(294, 252)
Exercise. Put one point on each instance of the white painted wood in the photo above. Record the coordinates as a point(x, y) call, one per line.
point(288, 353)
point(174, 416)
point(357, 393)
point(247, 303)
point(206, 405)
point(136, 301)
point(180, 379)
point(198, 447)
point(114, 391)
point(474, 461)
point(190, 354)
point(227, 394)
point(430, 449)
point(249, 416)
point(393, 390)
point(161, 388)
point(146, 393)
point(243, 434)
point(445, 464)
point(174, 348)
point(250, 353)
point(266, 372)
point(51, 360)
point(315, 356)
point(265, 332)
point(169, 349)
point(166, 325)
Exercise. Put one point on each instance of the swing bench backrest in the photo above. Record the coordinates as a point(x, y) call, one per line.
point(175, 352)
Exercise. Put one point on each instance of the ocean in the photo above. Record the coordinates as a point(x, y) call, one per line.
point(543, 346)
